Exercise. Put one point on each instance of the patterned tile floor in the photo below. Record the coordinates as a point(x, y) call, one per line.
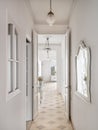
point(51, 113)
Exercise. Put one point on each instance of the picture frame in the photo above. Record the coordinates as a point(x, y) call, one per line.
point(83, 72)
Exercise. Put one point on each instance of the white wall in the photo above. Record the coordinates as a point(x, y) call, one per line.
point(84, 26)
point(59, 70)
point(46, 69)
point(39, 68)
point(12, 112)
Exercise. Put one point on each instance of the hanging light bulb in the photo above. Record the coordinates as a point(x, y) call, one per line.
point(47, 47)
point(48, 54)
point(50, 16)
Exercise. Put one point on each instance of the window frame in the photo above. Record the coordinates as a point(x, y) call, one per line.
point(15, 90)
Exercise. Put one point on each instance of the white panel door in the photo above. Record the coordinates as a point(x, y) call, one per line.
point(35, 75)
point(28, 81)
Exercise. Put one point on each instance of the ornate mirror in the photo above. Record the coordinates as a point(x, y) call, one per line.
point(82, 60)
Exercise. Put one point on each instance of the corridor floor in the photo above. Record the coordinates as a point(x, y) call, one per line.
point(51, 114)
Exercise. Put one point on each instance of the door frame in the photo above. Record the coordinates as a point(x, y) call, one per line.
point(34, 83)
point(29, 44)
point(68, 73)
point(70, 76)
point(68, 32)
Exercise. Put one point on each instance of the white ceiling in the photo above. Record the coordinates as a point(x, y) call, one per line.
point(61, 9)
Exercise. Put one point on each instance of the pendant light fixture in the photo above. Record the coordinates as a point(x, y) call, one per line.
point(47, 47)
point(50, 15)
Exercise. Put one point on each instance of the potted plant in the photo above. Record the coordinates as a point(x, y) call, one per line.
point(40, 79)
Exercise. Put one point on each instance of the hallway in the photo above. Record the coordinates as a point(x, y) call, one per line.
point(51, 114)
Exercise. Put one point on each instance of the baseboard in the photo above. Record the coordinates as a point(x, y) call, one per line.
point(72, 125)
point(35, 116)
point(28, 124)
point(69, 120)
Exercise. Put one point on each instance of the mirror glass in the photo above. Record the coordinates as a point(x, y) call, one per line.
point(83, 71)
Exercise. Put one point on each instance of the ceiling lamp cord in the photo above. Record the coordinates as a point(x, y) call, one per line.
point(50, 5)
point(48, 41)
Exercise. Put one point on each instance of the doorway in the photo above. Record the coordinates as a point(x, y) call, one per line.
point(47, 45)
point(51, 65)
point(53, 83)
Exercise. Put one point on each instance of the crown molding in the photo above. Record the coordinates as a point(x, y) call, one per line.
point(55, 29)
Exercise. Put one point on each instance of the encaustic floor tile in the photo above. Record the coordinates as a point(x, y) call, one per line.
point(51, 114)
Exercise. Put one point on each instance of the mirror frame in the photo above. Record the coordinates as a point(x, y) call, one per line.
point(87, 78)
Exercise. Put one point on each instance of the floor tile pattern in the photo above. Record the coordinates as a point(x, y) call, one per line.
point(28, 124)
point(51, 113)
